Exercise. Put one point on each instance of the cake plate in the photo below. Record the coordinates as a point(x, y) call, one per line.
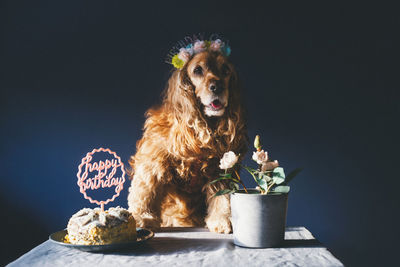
point(142, 236)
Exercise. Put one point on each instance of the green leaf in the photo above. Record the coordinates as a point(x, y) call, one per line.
point(278, 175)
point(262, 182)
point(278, 172)
point(278, 180)
point(225, 175)
point(224, 192)
point(264, 176)
point(234, 186)
point(250, 170)
point(292, 174)
point(281, 189)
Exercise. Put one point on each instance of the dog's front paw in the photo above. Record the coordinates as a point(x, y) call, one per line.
point(219, 224)
point(147, 221)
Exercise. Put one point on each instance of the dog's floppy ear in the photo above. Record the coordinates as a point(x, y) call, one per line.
point(185, 81)
point(179, 94)
point(184, 108)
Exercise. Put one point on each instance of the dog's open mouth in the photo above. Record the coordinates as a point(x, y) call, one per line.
point(216, 105)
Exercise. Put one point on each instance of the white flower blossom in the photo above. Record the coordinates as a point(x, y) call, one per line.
point(199, 46)
point(228, 160)
point(260, 156)
point(184, 55)
point(190, 50)
point(216, 45)
point(269, 166)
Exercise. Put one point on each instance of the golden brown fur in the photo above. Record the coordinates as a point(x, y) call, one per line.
point(181, 147)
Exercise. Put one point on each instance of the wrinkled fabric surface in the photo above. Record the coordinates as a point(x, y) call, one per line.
point(189, 247)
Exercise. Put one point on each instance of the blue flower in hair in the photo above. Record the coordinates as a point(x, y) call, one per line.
point(226, 50)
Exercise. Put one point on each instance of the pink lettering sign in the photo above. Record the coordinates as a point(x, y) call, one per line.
point(93, 175)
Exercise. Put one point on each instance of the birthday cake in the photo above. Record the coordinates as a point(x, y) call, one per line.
point(96, 227)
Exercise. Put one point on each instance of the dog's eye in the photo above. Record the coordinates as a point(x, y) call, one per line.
point(198, 70)
point(225, 70)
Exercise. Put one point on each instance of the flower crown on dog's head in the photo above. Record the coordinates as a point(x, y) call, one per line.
point(190, 46)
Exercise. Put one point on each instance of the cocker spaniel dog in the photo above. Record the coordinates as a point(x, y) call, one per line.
point(200, 118)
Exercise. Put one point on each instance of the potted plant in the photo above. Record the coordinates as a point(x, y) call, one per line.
point(259, 214)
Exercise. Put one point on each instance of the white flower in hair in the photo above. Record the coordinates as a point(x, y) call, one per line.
point(216, 45)
point(228, 160)
point(189, 49)
point(199, 46)
point(184, 55)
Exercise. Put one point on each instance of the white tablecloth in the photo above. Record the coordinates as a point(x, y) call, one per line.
point(189, 247)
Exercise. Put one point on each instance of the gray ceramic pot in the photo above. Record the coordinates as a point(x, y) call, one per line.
point(258, 220)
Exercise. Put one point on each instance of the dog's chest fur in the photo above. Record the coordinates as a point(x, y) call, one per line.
point(192, 175)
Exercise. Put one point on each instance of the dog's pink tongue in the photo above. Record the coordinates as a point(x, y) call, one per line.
point(216, 104)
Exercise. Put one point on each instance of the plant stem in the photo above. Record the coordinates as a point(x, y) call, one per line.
point(269, 187)
point(245, 189)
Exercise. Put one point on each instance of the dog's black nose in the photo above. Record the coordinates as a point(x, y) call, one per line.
point(215, 87)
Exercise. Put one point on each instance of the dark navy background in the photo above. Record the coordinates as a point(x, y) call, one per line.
point(319, 83)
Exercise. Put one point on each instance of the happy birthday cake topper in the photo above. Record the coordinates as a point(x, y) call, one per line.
point(99, 171)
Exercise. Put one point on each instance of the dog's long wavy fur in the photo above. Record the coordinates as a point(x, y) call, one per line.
point(179, 154)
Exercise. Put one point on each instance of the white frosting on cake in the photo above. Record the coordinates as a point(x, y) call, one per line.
point(86, 218)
